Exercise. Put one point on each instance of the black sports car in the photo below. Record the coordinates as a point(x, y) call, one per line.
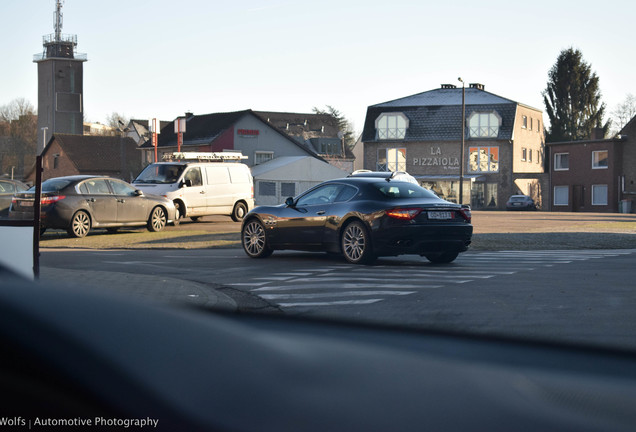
point(362, 218)
point(79, 203)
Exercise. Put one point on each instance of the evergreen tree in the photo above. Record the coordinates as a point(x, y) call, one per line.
point(573, 99)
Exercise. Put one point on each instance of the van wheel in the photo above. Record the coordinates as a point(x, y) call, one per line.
point(239, 212)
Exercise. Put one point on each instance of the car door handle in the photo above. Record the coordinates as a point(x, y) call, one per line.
point(90, 200)
point(121, 200)
point(202, 192)
point(321, 212)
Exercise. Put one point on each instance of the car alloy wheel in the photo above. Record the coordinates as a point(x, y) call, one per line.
point(356, 245)
point(255, 240)
point(80, 225)
point(157, 220)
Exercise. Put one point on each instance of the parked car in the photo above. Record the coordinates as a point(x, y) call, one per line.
point(362, 218)
point(520, 202)
point(79, 203)
point(209, 185)
point(9, 187)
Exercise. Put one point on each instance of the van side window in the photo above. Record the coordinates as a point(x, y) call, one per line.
point(194, 175)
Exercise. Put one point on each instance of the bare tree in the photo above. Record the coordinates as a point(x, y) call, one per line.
point(623, 113)
point(18, 137)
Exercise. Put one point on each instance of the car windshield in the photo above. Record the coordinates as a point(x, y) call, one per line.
point(160, 173)
point(399, 190)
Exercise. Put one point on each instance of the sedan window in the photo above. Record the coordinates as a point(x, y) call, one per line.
point(95, 186)
point(121, 188)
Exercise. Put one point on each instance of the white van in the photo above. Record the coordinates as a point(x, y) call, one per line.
point(201, 184)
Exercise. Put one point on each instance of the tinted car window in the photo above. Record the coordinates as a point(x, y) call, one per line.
point(321, 195)
point(402, 190)
point(346, 193)
point(157, 173)
point(53, 185)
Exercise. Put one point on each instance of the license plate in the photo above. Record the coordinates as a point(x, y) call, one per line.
point(26, 203)
point(440, 215)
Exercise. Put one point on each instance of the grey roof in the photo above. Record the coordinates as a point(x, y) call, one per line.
point(436, 115)
point(444, 97)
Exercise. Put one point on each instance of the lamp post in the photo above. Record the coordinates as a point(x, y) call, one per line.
point(461, 153)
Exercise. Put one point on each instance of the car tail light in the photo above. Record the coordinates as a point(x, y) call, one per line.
point(46, 200)
point(404, 213)
point(466, 213)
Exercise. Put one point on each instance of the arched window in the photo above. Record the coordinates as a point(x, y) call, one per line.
point(484, 124)
point(391, 126)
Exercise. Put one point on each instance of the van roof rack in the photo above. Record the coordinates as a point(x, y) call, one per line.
point(204, 156)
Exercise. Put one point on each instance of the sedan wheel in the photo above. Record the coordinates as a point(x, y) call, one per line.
point(80, 225)
point(157, 220)
point(356, 244)
point(254, 240)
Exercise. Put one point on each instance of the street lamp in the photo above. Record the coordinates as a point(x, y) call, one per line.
point(461, 157)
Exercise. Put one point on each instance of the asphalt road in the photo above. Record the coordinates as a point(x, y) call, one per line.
point(574, 296)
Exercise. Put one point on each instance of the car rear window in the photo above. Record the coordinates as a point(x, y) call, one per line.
point(399, 190)
point(53, 185)
point(518, 198)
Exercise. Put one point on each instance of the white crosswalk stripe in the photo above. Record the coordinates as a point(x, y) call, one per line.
point(343, 284)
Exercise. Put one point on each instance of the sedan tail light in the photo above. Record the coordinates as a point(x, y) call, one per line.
point(466, 213)
point(46, 200)
point(404, 213)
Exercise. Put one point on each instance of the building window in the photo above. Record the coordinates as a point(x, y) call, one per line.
point(599, 159)
point(391, 126)
point(524, 154)
point(538, 125)
point(561, 195)
point(484, 125)
point(531, 121)
point(267, 188)
point(393, 159)
point(530, 155)
point(56, 161)
point(599, 195)
point(288, 189)
point(524, 122)
point(561, 161)
point(483, 159)
point(262, 156)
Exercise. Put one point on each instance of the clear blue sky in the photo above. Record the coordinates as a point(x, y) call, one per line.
point(162, 58)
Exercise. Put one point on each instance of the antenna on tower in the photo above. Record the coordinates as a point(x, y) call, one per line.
point(58, 20)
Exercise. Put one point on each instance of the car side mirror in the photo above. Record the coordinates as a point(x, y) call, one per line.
point(289, 202)
point(185, 183)
point(139, 193)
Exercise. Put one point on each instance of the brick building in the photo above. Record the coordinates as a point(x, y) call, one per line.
point(596, 175)
point(421, 134)
point(100, 155)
